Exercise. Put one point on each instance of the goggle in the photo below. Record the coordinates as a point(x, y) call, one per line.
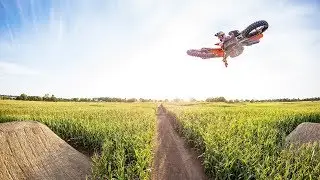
point(219, 35)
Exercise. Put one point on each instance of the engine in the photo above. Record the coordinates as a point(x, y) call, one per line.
point(236, 51)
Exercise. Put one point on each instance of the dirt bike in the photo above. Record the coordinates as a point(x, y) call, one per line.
point(234, 46)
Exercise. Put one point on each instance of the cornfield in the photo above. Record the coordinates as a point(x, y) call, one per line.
point(236, 141)
point(122, 135)
point(246, 141)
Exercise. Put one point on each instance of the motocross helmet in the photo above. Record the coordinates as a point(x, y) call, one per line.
point(219, 34)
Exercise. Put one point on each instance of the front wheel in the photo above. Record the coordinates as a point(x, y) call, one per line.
point(251, 30)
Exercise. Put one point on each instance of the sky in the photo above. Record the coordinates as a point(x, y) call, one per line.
point(137, 48)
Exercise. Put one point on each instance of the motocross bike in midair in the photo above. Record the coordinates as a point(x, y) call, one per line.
point(234, 46)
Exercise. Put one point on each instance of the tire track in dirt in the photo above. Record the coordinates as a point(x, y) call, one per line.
point(173, 159)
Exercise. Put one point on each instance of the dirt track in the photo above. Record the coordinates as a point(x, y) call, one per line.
point(173, 160)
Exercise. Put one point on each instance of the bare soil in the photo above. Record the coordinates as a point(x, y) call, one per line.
point(173, 159)
point(30, 150)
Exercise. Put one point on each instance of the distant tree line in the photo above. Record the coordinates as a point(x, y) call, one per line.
point(52, 98)
point(222, 99)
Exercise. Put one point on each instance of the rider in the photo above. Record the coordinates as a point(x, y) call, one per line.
point(222, 37)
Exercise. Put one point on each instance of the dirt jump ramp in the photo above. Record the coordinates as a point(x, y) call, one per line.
point(30, 150)
point(305, 132)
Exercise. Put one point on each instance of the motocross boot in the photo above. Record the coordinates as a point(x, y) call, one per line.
point(225, 60)
point(225, 63)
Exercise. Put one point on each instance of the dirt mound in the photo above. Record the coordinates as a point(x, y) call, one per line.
point(30, 150)
point(304, 133)
point(173, 160)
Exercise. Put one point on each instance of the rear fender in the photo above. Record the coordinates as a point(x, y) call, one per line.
point(207, 53)
point(218, 51)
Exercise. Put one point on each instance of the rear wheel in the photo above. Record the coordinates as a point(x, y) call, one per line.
point(255, 28)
